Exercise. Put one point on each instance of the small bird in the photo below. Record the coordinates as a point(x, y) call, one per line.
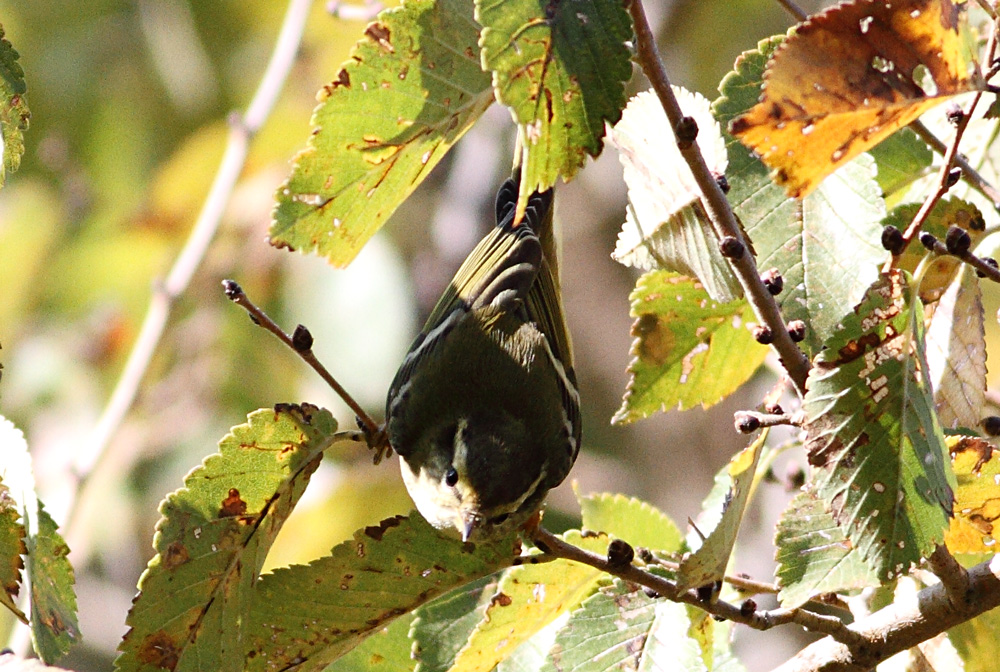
point(484, 410)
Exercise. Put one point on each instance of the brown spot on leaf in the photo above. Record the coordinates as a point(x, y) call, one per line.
point(379, 33)
point(502, 599)
point(655, 341)
point(175, 555)
point(232, 505)
point(160, 650)
point(983, 450)
point(343, 80)
point(376, 532)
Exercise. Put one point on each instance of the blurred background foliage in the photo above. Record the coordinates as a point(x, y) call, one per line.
point(129, 103)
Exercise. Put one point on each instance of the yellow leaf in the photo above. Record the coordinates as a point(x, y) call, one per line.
point(848, 78)
point(977, 498)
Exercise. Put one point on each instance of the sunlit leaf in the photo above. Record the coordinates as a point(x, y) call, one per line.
point(849, 77)
point(196, 594)
point(872, 435)
point(804, 240)
point(631, 520)
point(621, 628)
point(14, 114)
point(813, 554)
point(901, 159)
point(560, 68)
point(720, 522)
point(956, 352)
point(687, 349)
point(309, 615)
point(977, 643)
point(528, 599)
point(387, 650)
point(977, 496)
point(443, 627)
point(54, 626)
point(12, 550)
point(666, 226)
point(412, 88)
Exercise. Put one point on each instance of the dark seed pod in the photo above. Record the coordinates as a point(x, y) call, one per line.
point(731, 247)
point(746, 422)
point(892, 240)
point(954, 175)
point(302, 340)
point(686, 131)
point(723, 183)
point(620, 554)
point(957, 241)
point(773, 281)
point(747, 608)
point(762, 334)
point(989, 261)
point(928, 240)
point(991, 425)
point(797, 330)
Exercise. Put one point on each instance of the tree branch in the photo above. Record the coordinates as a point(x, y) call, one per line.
point(746, 614)
point(723, 220)
point(90, 455)
point(902, 625)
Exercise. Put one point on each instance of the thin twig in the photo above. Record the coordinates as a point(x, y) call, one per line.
point(301, 343)
point(944, 182)
point(723, 221)
point(983, 267)
point(749, 587)
point(552, 545)
point(793, 9)
point(978, 182)
point(90, 455)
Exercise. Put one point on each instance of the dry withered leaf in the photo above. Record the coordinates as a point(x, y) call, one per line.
point(848, 78)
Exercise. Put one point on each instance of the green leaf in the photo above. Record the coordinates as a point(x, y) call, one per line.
point(560, 68)
point(412, 88)
point(196, 594)
point(12, 550)
point(688, 350)
point(720, 522)
point(54, 626)
point(666, 226)
point(387, 650)
point(529, 598)
point(872, 434)
point(977, 643)
point(309, 615)
point(956, 352)
point(631, 520)
point(813, 555)
point(622, 628)
point(900, 159)
point(806, 241)
point(443, 627)
point(14, 114)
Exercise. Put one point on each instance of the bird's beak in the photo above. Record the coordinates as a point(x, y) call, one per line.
point(469, 522)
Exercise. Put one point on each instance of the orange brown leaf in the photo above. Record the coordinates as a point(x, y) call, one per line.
point(848, 78)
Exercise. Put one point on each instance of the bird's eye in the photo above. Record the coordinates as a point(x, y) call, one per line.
point(451, 477)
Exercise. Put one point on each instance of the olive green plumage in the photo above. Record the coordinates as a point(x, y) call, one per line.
point(484, 410)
